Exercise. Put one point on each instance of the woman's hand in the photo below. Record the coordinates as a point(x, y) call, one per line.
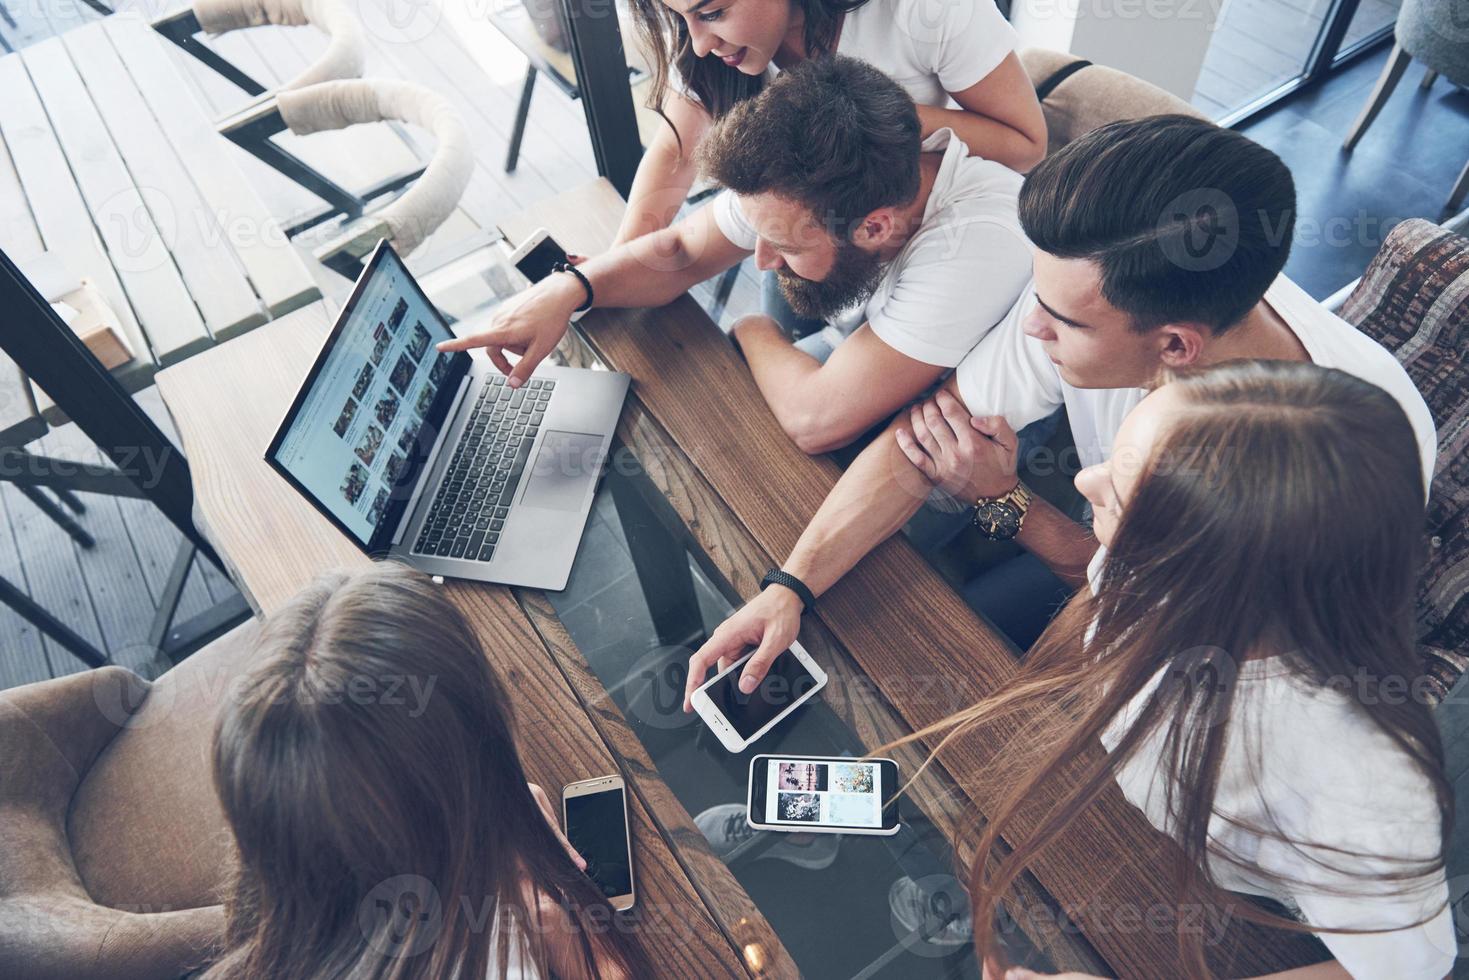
point(544, 802)
point(530, 325)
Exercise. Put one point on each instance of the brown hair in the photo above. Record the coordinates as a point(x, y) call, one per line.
point(1187, 222)
point(384, 823)
point(664, 35)
point(1280, 513)
point(833, 134)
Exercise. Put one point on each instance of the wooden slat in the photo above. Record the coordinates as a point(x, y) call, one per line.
point(440, 62)
point(165, 310)
point(272, 263)
point(190, 232)
point(109, 571)
point(250, 512)
point(23, 657)
point(53, 577)
point(1110, 865)
point(61, 215)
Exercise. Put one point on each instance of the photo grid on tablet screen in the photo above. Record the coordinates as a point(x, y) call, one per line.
point(842, 794)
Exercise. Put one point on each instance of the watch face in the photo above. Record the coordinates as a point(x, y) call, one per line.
point(998, 520)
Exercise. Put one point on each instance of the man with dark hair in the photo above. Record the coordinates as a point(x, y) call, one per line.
point(1159, 244)
point(911, 247)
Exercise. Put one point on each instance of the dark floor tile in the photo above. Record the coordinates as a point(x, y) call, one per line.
point(1403, 167)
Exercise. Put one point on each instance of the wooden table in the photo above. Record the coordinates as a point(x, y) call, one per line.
point(1099, 900)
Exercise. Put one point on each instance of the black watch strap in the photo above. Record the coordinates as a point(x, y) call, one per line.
point(777, 577)
point(585, 283)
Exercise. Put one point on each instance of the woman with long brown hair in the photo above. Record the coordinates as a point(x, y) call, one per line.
point(957, 60)
point(1246, 656)
point(385, 827)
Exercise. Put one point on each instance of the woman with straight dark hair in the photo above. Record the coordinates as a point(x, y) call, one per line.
point(956, 58)
point(384, 822)
point(1246, 655)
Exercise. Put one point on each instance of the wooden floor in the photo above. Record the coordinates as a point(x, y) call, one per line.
point(1260, 44)
point(108, 594)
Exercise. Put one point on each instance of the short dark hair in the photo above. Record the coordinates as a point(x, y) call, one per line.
point(833, 134)
point(1188, 222)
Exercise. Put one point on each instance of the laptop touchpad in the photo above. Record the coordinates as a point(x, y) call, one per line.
point(566, 465)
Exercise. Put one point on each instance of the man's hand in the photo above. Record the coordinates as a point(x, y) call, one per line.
point(545, 804)
point(769, 622)
point(531, 325)
point(967, 457)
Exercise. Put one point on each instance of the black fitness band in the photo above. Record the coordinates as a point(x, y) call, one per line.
point(585, 282)
point(777, 577)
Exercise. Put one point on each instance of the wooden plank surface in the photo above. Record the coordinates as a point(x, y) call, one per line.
point(250, 513)
point(1111, 864)
point(23, 658)
point(211, 273)
point(61, 215)
point(238, 217)
point(165, 310)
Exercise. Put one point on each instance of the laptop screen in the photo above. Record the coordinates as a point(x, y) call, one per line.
point(364, 421)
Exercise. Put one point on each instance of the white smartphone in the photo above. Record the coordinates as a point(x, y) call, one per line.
point(739, 719)
point(536, 258)
point(594, 812)
point(823, 794)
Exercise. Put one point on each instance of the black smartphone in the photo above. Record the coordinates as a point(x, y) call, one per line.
point(823, 794)
point(594, 812)
point(538, 256)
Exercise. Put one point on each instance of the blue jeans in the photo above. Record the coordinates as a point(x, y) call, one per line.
point(1019, 596)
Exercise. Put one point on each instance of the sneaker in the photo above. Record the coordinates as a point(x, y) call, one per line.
point(937, 909)
point(728, 833)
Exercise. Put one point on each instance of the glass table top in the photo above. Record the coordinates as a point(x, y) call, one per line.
point(641, 598)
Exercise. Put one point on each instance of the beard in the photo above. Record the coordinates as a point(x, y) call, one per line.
point(854, 275)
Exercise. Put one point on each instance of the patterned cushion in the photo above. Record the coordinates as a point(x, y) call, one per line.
point(1414, 300)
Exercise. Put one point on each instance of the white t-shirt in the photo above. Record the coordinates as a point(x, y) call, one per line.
point(930, 47)
point(1304, 760)
point(960, 272)
point(1009, 374)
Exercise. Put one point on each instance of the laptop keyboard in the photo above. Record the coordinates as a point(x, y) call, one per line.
point(473, 500)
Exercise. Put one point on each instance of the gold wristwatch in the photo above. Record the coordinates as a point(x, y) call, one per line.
point(1000, 518)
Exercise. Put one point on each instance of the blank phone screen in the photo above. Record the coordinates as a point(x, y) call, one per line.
point(787, 682)
point(596, 826)
point(537, 264)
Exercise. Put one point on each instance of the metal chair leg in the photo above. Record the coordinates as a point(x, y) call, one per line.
point(61, 517)
point(70, 499)
point(1460, 191)
point(1429, 77)
point(1392, 72)
point(521, 114)
point(52, 627)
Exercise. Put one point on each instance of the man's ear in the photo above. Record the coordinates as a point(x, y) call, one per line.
point(1180, 345)
point(874, 230)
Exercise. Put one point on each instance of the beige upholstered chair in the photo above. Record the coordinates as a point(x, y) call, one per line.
point(115, 848)
point(1078, 96)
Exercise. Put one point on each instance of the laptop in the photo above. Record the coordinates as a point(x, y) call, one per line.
point(431, 457)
